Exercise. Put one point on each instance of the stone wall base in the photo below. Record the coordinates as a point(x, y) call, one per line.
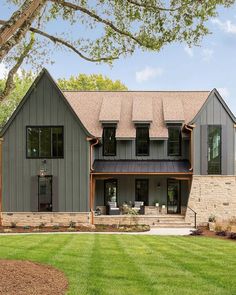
point(212, 195)
point(46, 218)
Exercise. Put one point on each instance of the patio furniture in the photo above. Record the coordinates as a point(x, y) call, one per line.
point(112, 208)
point(139, 206)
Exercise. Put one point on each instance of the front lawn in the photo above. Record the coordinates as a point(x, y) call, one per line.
point(128, 264)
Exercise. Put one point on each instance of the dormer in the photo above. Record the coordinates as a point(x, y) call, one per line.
point(142, 112)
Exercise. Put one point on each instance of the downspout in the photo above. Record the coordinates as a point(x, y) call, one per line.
point(1, 141)
point(190, 128)
point(91, 195)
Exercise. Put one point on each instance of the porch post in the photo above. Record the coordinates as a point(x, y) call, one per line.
point(1, 141)
point(92, 195)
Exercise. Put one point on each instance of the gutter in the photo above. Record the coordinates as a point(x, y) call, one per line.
point(1, 142)
point(190, 128)
point(90, 139)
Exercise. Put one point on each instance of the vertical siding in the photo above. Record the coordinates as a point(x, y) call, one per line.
point(158, 151)
point(214, 114)
point(45, 107)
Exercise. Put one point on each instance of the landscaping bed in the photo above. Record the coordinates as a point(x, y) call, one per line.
point(28, 278)
point(81, 228)
point(223, 234)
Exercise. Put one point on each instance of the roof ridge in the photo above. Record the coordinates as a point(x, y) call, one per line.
point(208, 91)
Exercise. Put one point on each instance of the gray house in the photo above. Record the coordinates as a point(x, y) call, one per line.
point(91, 157)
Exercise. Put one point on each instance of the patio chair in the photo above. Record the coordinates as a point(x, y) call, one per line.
point(112, 208)
point(139, 206)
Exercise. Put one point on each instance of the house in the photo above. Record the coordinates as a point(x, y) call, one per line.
point(67, 154)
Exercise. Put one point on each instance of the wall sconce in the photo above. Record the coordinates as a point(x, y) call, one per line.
point(43, 169)
point(158, 185)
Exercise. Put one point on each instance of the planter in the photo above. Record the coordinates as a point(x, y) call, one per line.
point(212, 226)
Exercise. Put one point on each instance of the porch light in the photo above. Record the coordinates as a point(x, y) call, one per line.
point(158, 185)
point(43, 169)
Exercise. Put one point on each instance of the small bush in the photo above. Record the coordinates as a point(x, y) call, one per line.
point(222, 233)
point(212, 218)
point(42, 225)
point(26, 227)
point(72, 224)
point(13, 224)
point(196, 232)
point(218, 228)
point(232, 236)
point(55, 226)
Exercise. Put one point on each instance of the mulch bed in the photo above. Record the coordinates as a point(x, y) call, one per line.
point(212, 234)
point(97, 228)
point(28, 278)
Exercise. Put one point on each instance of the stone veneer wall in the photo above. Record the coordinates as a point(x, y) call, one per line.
point(48, 218)
point(212, 195)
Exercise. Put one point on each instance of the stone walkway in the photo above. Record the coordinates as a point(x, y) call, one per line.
point(152, 232)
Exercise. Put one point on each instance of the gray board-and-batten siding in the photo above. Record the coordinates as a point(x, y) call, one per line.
point(45, 106)
point(214, 112)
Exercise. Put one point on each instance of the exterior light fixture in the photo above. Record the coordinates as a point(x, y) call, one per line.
point(43, 169)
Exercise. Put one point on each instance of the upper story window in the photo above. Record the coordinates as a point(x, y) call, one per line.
point(109, 141)
point(174, 141)
point(214, 149)
point(44, 142)
point(142, 141)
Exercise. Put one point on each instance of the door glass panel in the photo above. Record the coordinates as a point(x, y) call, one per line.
point(45, 194)
point(173, 196)
point(141, 190)
point(110, 191)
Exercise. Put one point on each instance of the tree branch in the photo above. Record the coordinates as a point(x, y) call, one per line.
point(19, 35)
point(151, 6)
point(98, 19)
point(10, 78)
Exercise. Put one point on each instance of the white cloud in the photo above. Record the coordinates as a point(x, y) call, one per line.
point(3, 71)
point(148, 73)
point(207, 54)
point(224, 92)
point(227, 26)
point(189, 51)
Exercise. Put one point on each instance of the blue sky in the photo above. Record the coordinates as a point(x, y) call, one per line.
point(176, 67)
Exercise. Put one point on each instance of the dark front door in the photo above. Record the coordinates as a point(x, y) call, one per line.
point(141, 190)
point(45, 193)
point(173, 196)
point(110, 190)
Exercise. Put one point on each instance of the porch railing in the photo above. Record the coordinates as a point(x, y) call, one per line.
point(195, 215)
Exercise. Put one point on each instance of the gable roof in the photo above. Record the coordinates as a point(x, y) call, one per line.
point(183, 106)
point(28, 93)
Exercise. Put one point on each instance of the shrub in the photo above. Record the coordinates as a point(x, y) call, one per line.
point(218, 228)
point(196, 232)
point(222, 233)
point(72, 224)
point(13, 224)
point(26, 227)
point(232, 236)
point(42, 225)
point(55, 226)
point(212, 218)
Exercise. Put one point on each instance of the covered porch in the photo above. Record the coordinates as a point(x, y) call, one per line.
point(145, 191)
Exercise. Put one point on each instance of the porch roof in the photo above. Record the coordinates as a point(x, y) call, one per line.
point(141, 167)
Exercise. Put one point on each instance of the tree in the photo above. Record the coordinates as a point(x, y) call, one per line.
point(80, 82)
point(118, 26)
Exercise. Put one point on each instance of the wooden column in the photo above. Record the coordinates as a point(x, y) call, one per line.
point(92, 195)
point(1, 142)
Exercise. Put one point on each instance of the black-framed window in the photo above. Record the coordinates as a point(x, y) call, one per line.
point(141, 190)
point(45, 193)
point(110, 190)
point(142, 141)
point(44, 142)
point(173, 196)
point(109, 141)
point(214, 149)
point(174, 141)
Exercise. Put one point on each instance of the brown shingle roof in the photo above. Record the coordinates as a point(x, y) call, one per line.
point(93, 106)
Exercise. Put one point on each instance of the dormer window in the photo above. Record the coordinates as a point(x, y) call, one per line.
point(142, 141)
point(109, 141)
point(174, 141)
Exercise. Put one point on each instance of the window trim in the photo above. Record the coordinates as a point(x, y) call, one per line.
point(136, 189)
point(220, 127)
point(44, 126)
point(148, 142)
point(111, 180)
point(180, 142)
point(103, 146)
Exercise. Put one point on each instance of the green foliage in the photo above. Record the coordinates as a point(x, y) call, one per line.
point(81, 82)
point(90, 82)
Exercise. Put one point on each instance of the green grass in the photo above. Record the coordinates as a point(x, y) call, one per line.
point(126, 264)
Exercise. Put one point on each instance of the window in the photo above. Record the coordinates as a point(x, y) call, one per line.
point(110, 190)
point(174, 141)
point(45, 194)
point(173, 196)
point(44, 142)
point(109, 141)
point(214, 149)
point(142, 141)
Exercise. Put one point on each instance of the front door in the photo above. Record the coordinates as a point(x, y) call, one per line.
point(173, 196)
point(45, 193)
point(141, 190)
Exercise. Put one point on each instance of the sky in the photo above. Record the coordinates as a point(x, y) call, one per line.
point(175, 67)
